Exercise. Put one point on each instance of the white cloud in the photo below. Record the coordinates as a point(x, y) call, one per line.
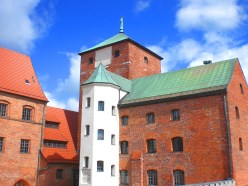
point(20, 24)
point(141, 5)
point(72, 104)
point(53, 101)
point(209, 15)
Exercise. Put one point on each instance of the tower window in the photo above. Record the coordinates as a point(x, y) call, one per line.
point(117, 53)
point(112, 170)
point(241, 89)
point(113, 111)
point(124, 177)
point(112, 139)
point(100, 134)
point(145, 60)
point(175, 115)
point(87, 130)
point(124, 147)
point(240, 144)
point(178, 177)
point(1, 144)
point(124, 120)
point(100, 105)
point(59, 174)
point(90, 61)
point(152, 177)
point(100, 165)
point(24, 148)
point(86, 162)
point(150, 118)
point(237, 112)
point(87, 102)
point(151, 146)
point(177, 144)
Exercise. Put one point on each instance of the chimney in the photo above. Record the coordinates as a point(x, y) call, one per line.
point(207, 62)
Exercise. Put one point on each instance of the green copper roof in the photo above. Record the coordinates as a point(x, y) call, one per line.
point(118, 37)
point(101, 75)
point(188, 81)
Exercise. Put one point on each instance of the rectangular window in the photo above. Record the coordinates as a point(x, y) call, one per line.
point(100, 166)
point(124, 147)
point(24, 146)
point(124, 120)
point(151, 146)
point(175, 115)
point(87, 102)
point(152, 177)
point(55, 144)
point(3, 108)
point(1, 144)
point(240, 144)
point(26, 114)
point(86, 162)
point(113, 111)
point(150, 117)
point(87, 130)
point(100, 105)
point(112, 170)
point(100, 134)
point(59, 174)
point(50, 124)
point(124, 177)
point(178, 177)
point(112, 139)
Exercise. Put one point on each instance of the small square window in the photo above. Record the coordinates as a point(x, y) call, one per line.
point(90, 61)
point(117, 53)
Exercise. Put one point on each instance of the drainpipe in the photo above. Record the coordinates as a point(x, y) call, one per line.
point(41, 141)
point(228, 139)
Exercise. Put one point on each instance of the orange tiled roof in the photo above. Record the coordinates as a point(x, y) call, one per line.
point(15, 69)
point(67, 132)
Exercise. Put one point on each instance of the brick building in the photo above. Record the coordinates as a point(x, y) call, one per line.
point(175, 128)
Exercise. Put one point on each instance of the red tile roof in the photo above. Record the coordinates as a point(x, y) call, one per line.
point(15, 69)
point(67, 131)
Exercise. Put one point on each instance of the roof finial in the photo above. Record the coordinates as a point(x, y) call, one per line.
point(121, 25)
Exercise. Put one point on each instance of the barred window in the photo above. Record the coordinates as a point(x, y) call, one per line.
point(26, 114)
point(100, 105)
point(124, 120)
point(151, 146)
point(178, 177)
point(150, 118)
point(175, 114)
point(86, 162)
point(124, 177)
point(177, 144)
point(100, 166)
point(3, 109)
point(1, 144)
point(112, 170)
point(59, 174)
point(100, 134)
point(50, 124)
point(24, 146)
point(152, 177)
point(55, 144)
point(124, 147)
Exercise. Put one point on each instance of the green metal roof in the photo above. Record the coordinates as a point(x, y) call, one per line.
point(188, 81)
point(118, 37)
point(101, 75)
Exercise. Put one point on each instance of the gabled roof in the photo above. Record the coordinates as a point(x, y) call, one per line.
point(116, 39)
point(189, 81)
point(67, 132)
point(18, 76)
point(101, 75)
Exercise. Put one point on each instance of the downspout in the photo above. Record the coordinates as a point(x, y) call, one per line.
point(41, 142)
point(228, 139)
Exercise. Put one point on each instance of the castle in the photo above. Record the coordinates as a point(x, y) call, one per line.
point(135, 126)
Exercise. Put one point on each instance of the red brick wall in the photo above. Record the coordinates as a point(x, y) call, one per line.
point(238, 127)
point(14, 165)
point(202, 127)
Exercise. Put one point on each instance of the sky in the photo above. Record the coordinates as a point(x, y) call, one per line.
point(183, 32)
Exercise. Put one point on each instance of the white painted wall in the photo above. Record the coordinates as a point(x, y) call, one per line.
point(103, 56)
point(100, 150)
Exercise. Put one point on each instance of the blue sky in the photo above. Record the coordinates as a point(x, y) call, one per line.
point(184, 32)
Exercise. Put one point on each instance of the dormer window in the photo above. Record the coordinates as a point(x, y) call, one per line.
point(50, 124)
point(117, 53)
point(27, 81)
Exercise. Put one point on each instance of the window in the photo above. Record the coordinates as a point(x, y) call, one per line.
point(178, 177)
point(86, 162)
point(90, 61)
point(151, 146)
point(177, 144)
point(124, 147)
point(27, 81)
point(100, 134)
point(1, 144)
point(59, 174)
point(87, 102)
point(241, 89)
point(150, 118)
point(112, 170)
point(124, 120)
point(24, 146)
point(237, 112)
point(26, 114)
point(145, 60)
point(113, 111)
point(87, 130)
point(175, 115)
point(55, 144)
point(100, 165)
point(124, 177)
point(50, 124)
point(112, 139)
point(240, 144)
point(152, 177)
point(100, 105)
point(3, 109)
point(117, 53)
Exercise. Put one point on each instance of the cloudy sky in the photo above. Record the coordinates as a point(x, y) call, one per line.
point(184, 32)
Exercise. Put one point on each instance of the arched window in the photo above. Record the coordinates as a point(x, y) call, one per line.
point(100, 166)
point(27, 113)
point(124, 147)
point(237, 112)
point(4, 108)
point(100, 134)
point(100, 105)
point(21, 183)
point(152, 177)
point(177, 144)
point(151, 146)
point(178, 177)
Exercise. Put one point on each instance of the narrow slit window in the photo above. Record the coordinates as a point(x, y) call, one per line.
point(241, 89)
point(237, 112)
point(240, 144)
